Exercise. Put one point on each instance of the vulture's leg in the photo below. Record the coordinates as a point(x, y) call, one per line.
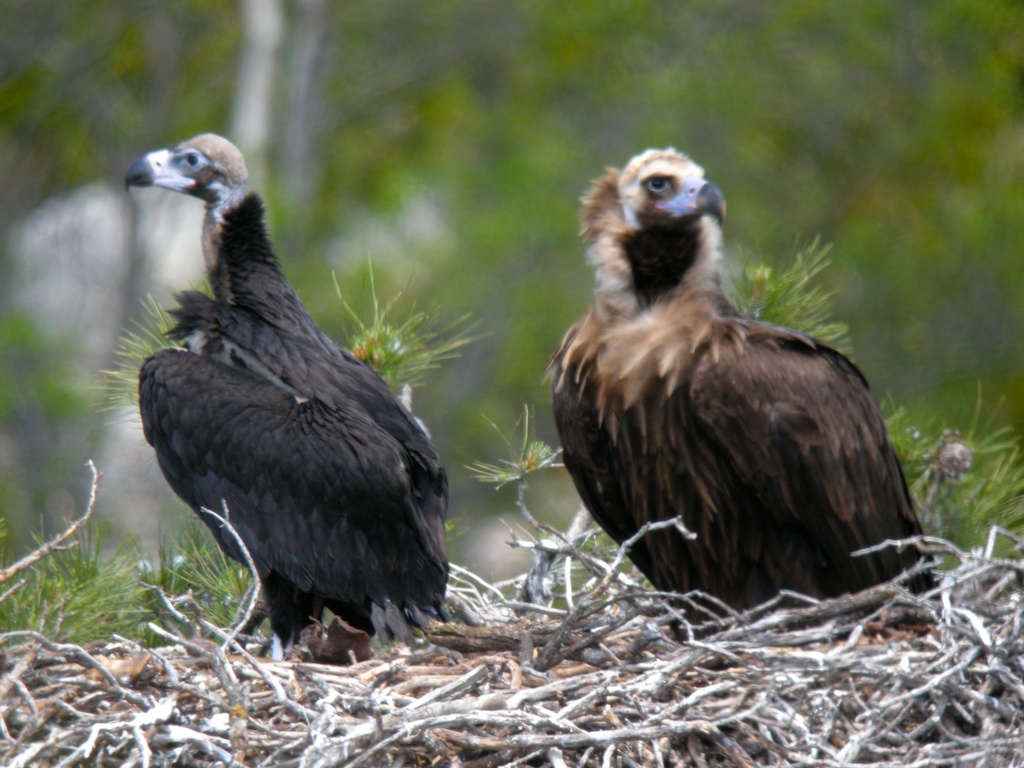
point(290, 612)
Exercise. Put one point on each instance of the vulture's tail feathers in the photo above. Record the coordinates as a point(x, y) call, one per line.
point(390, 624)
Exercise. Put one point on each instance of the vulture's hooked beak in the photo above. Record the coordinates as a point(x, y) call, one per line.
point(155, 170)
point(139, 175)
point(696, 196)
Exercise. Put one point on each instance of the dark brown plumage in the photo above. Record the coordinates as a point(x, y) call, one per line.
point(668, 402)
point(331, 483)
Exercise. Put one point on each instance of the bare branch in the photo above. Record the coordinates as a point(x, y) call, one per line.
point(226, 524)
point(55, 543)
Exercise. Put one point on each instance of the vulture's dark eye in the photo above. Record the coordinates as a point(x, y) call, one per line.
point(192, 159)
point(657, 184)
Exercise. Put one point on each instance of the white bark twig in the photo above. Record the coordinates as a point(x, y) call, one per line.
point(56, 542)
point(244, 620)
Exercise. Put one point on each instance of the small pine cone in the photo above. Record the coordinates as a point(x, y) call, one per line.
point(954, 460)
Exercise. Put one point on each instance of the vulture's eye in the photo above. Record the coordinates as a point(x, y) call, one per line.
point(657, 184)
point(192, 159)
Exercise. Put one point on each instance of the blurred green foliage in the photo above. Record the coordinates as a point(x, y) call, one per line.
point(450, 143)
point(962, 507)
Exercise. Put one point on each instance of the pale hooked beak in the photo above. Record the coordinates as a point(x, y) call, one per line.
point(696, 196)
point(154, 170)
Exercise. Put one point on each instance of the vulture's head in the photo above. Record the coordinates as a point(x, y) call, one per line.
point(652, 227)
point(663, 188)
point(207, 166)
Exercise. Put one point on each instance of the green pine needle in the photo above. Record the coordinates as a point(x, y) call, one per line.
point(527, 455)
point(789, 297)
point(134, 346)
point(195, 563)
point(401, 344)
point(990, 492)
point(80, 593)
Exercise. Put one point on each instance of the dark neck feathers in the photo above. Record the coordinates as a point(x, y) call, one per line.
point(660, 257)
point(242, 241)
point(246, 273)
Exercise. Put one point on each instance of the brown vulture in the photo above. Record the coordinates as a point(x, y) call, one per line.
point(669, 402)
point(333, 486)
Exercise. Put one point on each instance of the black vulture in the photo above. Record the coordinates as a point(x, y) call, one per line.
point(331, 483)
point(669, 402)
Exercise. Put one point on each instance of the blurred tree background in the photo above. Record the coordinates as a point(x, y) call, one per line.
point(448, 144)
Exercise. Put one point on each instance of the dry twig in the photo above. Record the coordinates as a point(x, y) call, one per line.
point(57, 542)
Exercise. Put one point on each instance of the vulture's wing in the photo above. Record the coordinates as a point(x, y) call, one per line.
point(594, 462)
point(293, 350)
point(797, 424)
point(321, 495)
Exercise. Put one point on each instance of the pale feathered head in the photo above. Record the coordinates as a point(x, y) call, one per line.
point(207, 166)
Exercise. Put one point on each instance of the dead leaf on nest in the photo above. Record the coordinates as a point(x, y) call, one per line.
point(340, 643)
point(126, 670)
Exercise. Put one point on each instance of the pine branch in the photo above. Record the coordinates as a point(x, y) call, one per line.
point(527, 455)
point(789, 296)
point(135, 345)
point(57, 542)
point(402, 343)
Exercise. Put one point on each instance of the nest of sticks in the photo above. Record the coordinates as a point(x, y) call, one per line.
point(615, 675)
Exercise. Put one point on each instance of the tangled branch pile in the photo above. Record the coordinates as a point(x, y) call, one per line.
point(620, 678)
